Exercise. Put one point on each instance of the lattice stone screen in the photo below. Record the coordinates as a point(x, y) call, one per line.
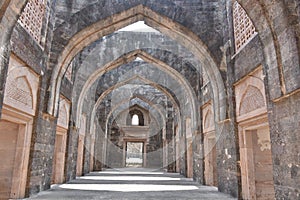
point(32, 18)
point(244, 29)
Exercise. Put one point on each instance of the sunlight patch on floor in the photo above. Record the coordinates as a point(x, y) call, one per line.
point(128, 172)
point(127, 187)
point(128, 178)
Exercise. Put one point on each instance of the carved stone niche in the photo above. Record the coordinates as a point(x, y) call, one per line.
point(135, 132)
point(64, 113)
point(21, 87)
point(250, 96)
point(208, 118)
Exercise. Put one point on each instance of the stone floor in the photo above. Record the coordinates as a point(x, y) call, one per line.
point(131, 184)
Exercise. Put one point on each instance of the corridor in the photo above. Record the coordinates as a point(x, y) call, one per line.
point(131, 184)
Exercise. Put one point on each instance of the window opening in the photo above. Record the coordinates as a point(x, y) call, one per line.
point(31, 18)
point(135, 120)
point(139, 26)
point(244, 29)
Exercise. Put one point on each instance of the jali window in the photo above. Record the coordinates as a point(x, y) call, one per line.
point(244, 29)
point(32, 18)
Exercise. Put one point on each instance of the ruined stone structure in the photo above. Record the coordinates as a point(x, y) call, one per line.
point(209, 89)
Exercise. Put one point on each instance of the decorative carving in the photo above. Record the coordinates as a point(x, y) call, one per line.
point(32, 18)
point(19, 90)
point(243, 26)
point(252, 100)
point(63, 116)
point(208, 120)
point(21, 87)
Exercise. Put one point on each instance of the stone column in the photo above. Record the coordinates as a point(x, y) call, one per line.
point(170, 142)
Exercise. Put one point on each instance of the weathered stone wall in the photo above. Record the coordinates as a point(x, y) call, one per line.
point(282, 138)
point(193, 15)
point(198, 169)
point(105, 51)
point(284, 126)
point(154, 97)
point(154, 151)
point(44, 129)
point(276, 48)
point(248, 59)
point(114, 147)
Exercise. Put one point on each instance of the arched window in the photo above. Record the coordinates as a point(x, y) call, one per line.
point(135, 117)
point(135, 120)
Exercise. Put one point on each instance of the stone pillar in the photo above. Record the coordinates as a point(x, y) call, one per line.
point(227, 154)
point(170, 143)
point(198, 157)
point(99, 144)
point(72, 146)
point(41, 154)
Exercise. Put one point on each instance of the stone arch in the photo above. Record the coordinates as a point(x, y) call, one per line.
point(139, 110)
point(93, 114)
point(251, 96)
point(126, 59)
point(163, 24)
point(157, 109)
point(272, 23)
point(148, 102)
point(180, 60)
point(129, 132)
point(123, 57)
point(111, 117)
point(11, 10)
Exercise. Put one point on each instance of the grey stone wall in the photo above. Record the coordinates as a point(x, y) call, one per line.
point(194, 16)
point(284, 124)
point(276, 46)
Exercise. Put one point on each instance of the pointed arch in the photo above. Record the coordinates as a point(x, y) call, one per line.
point(153, 19)
point(252, 100)
point(126, 59)
point(99, 100)
point(21, 87)
point(276, 40)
